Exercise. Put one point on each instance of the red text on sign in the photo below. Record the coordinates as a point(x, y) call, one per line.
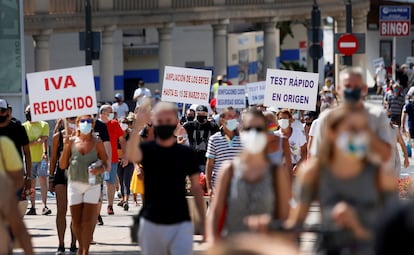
point(61, 105)
point(57, 83)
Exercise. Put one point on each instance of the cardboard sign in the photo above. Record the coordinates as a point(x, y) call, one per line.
point(256, 92)
point(186, 85)
point(61, 93)
point(291, 89)
point(377, 62)
point(409, 60)
point(234, 96)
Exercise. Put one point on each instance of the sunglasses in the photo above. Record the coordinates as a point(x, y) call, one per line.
point(85, 120)
point(3, 110)
point(258, 129)
point(72, 118)
point(125, 122)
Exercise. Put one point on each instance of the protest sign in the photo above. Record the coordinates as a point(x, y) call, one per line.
point(61, 93)
point(255, 92)
point(377, 62)
point(186, 85)
point(409, 60)
point(291, 89)
point(234, 96)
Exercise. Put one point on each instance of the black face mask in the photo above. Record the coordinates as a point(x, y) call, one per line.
point(190, 118)
point(4, 118)
point(201, 119)
point(308, 124)
point(28, 116)
point(352, 95)
point(164, 132)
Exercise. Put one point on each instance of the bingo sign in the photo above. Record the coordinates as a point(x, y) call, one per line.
point(186, 85)
point(61, 93)
point(256, 92)
point(395, 20)
point(234, 96)
point(291, 89)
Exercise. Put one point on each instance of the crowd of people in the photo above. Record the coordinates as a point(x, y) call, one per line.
point(260, 167)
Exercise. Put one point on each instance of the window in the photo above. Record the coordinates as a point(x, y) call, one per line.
point(386, 52)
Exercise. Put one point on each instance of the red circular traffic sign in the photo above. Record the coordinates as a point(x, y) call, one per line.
point(347, 44)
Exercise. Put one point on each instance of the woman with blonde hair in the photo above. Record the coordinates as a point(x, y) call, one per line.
point(85, 158)
point(249, 184)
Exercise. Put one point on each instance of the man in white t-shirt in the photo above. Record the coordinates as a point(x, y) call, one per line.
point(352, 89)
point(120, 108)
point(381, 78)
point(141, 92)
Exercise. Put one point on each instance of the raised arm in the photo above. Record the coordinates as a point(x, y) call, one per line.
point(66, 152)
point(133, 151)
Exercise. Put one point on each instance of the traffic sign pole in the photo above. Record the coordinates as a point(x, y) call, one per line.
point(347, 59)
point(316, 23)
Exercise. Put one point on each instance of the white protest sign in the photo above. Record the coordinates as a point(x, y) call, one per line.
point(255, 92)
point(377, 62)
point(291, 89)
point(186, 85)
point(234, 96)
point(61, 93)
point(409, 60)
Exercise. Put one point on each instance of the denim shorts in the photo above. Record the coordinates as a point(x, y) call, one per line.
point(110, 177)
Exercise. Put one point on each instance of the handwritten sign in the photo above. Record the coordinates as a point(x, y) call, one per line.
point(291, 89)
point(186, 85)
point(256, 92)
point(234, 96)
point(377, 62)
point(61, 93)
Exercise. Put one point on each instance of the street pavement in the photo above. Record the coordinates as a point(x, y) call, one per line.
point(111, 238)
point(114, 236)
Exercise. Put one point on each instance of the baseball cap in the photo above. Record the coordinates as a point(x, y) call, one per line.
point(118, 95)
point(3, 104)
point(202, 108)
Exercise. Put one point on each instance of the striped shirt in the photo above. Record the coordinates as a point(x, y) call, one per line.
point(396, 104)
point(221, 148)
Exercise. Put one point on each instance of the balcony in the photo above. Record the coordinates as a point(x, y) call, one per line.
point(68, 14)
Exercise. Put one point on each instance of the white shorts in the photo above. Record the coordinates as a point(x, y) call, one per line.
point(79, 192)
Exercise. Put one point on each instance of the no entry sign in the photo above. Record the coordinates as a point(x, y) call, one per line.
point(347, 44)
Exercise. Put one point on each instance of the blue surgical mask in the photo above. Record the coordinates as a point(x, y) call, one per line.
point(85, 127)
point(355, 145)
point(232, 124)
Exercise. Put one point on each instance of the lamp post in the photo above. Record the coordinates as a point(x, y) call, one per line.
point(347, 60)
point(88, 33)
point(316, 24)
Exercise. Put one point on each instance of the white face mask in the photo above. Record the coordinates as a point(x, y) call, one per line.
point(111, 116)
point(124, 126)
point(85, 128)
point(296, 116)
point(232, 124)
point(253, 142)
point(283, 123)
point(72, 126)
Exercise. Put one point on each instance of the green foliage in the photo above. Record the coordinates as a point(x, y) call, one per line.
point(292, 65)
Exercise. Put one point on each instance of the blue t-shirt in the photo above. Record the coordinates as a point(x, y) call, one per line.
point(409, 110)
